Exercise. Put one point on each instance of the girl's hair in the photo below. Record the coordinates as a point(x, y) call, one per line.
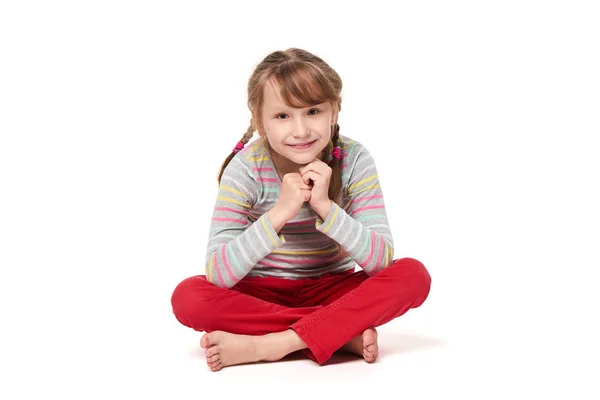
point(304, 80)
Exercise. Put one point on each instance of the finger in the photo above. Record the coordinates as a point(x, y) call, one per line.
point(291, 177)
point(316, 165)
point(307, 194)
point(314, 176)
point(296, 181)
point(326, 171)
point(305, 186)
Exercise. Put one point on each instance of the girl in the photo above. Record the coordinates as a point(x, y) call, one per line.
point(295, 212)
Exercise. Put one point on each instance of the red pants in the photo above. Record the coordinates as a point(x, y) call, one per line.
point(326, 312)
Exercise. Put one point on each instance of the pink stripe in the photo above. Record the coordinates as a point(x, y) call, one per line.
point(368, 208)
point(227, 265)
point(344, 165)
point(261, 169)
point(380, 253)
point(305, 222)
point(368, 260)
point(237, 221)
point(216, 264)
point(267, 179)
point(375, 196)
point(309, 261)
point(262, 262)
point(231, 209)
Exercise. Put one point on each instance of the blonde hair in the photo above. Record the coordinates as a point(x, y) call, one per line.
point(304, 80)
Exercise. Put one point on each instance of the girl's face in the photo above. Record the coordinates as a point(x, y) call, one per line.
point(297, 135)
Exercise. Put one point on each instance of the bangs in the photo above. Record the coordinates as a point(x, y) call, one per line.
point(302, 85)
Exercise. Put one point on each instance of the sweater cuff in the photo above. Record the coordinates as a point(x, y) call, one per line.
point(268, 232)
point(332, 221)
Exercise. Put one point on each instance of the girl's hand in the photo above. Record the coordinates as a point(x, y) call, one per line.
point(320, 174)
point(294, 192)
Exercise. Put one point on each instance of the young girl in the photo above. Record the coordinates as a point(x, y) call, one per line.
point(296, 211)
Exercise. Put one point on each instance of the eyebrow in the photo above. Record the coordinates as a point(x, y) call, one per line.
point(286, 107)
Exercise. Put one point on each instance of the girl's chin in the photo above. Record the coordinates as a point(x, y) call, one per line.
point(302, 160)
point(299, 159)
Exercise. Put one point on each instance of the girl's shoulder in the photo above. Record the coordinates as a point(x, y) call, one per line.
point(252, 155)
point(346, 142)
point(351, 149)
point(253, 148)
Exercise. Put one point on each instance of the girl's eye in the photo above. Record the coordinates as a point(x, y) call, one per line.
point(310, 112)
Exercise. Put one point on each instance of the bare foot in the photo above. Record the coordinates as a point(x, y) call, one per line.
point(364, 345)
point(224, 349)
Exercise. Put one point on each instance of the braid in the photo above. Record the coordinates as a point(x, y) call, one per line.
point(245, 139)
point(335, 183)
point(248, 135)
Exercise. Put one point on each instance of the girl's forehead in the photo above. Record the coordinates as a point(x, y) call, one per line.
point(272, 97)
point(272, 93)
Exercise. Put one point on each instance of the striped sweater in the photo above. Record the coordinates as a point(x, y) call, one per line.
point(242, 241)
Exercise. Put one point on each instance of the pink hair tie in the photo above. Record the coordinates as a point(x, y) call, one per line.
point(239, 146)
point(336, 152)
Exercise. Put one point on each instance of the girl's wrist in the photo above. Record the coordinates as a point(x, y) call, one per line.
point(324, 209)
point(276, 218)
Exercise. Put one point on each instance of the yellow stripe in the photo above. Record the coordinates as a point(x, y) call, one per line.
point(251, 152)
point(268, 232)
point(209, 272)
point(387, 253)
point(361, 182)
point(306, 252)
point(335, 213)
point(365, 189)
point(265, 158)
point(232, 190)
point(229, 200)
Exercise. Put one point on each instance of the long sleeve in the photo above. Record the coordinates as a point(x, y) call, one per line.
point(236, 242)
point(361, 226)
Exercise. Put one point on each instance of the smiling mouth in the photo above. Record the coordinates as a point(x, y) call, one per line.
point(302, 146)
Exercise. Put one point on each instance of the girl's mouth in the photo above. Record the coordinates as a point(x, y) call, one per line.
point(302, 146)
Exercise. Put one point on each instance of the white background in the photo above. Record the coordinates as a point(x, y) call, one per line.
point(483, 118)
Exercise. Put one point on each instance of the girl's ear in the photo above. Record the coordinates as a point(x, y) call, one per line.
point(259, 129)
point(334, 116)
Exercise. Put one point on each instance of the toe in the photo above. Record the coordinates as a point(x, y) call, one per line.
point(369, 357)
point(213, 363)
point(369, 347)
point(205, 341)
point(211, 351)
point(216, 367)
point(369, 337)
point(212, 359)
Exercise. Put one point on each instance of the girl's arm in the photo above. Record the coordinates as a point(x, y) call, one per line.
point(236, 243)
point(361, 226)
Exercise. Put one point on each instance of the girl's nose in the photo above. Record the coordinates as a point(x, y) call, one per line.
point(301, 128)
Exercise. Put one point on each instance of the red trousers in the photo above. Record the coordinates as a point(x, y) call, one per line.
point(326, 312)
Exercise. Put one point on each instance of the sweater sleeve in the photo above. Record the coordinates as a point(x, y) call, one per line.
point(361, 226)
point(237, 242)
